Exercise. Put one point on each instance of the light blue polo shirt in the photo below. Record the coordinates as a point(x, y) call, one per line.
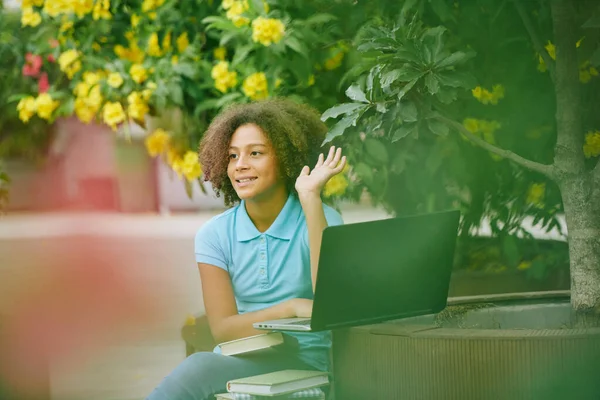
point(267, 268)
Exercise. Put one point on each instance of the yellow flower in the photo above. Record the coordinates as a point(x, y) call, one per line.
point(486, 97)
point(55, 8)
point(26, 108)
point(113, 114)
point(551, 49)
point(267, 30)
point(471, 124)
point(138, 73)
point(227, 4)
point(115, 80)
point(220, 53)
point(91, 78)
point(135, 20)
point(166, 43)
point(536, 193)
point(84, 112)
point(188, 166)
point(183, 42)
point(45, 106)
point(31, 3)
point(82, 7)
point(335, 60)
point(235, 11)
point(30, 17)
point(153, 46)
point(147, 93)
point(311, 80)
point(255, 86)
point(224, 79)
point(149, 5)
point(591, 147)
point(336, 186)
point(137, 107)
point(102, 10)
point(69, 62)
point(65, 26)
point(157, 143)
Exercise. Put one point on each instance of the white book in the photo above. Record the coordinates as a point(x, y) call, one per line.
point(250, 344)
point(277, 383)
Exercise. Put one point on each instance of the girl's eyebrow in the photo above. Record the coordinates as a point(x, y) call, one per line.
point(249, 145)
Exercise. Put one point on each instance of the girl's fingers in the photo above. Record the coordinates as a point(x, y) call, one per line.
point(330, 155)
point(341, 165)
point(305, 170)
point(319, 160)
point(336, 158)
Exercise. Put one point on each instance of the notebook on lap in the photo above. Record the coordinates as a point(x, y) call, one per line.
point(377, 271)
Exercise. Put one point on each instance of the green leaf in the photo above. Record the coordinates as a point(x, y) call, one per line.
point(455, 59)
point(186, 69)
point(404, 131)
point(339, 109)
point(364, 172)
point(318, 19)
point(433, 85)
point(593, 22)
point(188, 188)
point(432, 39)
point(339, 128)
point(228, 99)
point(456, 79)
point(241, 53)
point(595, 58)
point(447, 95)
point(408, 111)
point(406, 88)
point(293, 43)
point(510, 250)
point(176, 93)
point(441, 9)
point(355, 93)
point(376, 150)
point(389, 77)
point(437, 127)
point(398, 164)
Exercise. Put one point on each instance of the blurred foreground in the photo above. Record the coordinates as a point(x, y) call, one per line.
point(91, 305)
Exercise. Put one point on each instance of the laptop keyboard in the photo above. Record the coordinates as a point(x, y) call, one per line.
point(301, 322)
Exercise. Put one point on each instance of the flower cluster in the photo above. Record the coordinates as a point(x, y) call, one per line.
point(489, 97)
point(591, 147)
point(255, 86)
point(224, 79)
point(159, 143)
point(88, 97)
point(267, 31)
point(336, 186)
point(44, 105)
point(235, 10)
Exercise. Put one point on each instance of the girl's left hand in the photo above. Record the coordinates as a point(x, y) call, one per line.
point(314, 181)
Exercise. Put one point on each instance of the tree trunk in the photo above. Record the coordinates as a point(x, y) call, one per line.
point(574, 181)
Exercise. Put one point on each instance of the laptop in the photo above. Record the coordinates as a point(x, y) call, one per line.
point(377, 271)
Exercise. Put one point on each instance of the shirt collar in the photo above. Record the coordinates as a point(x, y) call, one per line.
point(282, 228)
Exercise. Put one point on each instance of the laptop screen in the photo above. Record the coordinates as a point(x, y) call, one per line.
point(383, 270)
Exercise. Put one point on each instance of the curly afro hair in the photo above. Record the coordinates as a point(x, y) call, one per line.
point(294, 130)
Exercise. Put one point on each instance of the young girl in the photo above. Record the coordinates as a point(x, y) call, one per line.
point(258, 260)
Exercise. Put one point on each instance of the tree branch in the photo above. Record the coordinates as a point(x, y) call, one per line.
point(537, 43)
point(544, 169)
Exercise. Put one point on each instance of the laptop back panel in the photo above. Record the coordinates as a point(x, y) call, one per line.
point(383, 270)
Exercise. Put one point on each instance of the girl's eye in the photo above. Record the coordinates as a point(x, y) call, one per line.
point(232, 156)
point(255, 153)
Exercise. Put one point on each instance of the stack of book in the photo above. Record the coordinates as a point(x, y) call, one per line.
point(286, 384)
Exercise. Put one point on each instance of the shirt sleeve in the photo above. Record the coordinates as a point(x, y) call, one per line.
point(331, 216)
point(208, 247)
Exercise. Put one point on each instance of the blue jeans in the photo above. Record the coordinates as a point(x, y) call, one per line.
point(202, 375)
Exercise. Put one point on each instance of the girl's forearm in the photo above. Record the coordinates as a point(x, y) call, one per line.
point(312, 205)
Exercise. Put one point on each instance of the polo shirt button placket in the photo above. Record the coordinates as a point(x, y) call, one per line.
point(262, 271)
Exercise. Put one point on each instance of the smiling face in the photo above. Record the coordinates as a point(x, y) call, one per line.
point(253, 167)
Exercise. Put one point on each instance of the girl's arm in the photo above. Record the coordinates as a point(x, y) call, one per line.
point(315, 224)
point(309, 186)
point(223, 318)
